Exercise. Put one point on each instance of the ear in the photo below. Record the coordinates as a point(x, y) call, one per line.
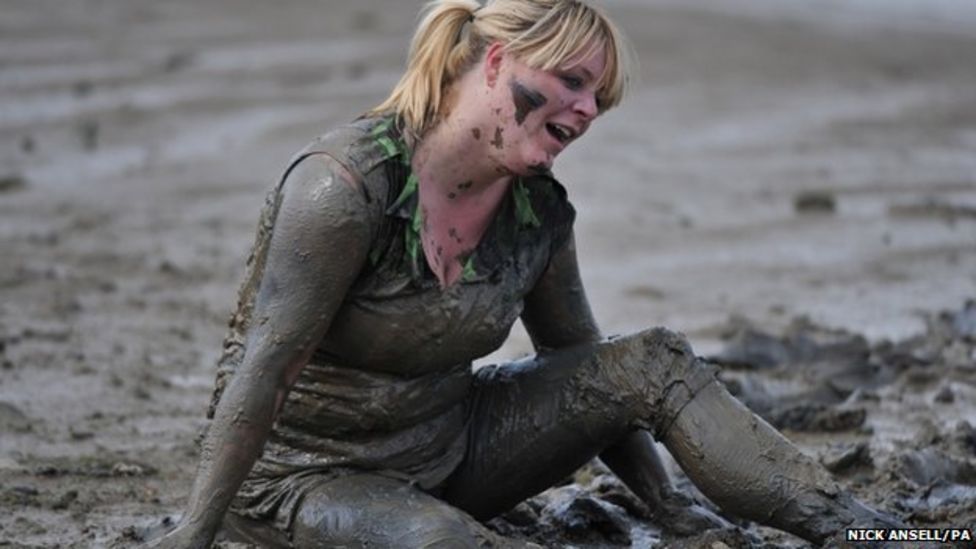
point(495, 56)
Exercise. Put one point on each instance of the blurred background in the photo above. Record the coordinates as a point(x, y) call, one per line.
point(775, 160)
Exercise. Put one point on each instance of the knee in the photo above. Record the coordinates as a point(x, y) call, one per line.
point(436, 528)
point(665, 346)
point(658, 355)
point(405, 519)
point(320, 522)
point(663, 364)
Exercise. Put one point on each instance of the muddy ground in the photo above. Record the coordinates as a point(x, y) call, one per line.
point(792, 185)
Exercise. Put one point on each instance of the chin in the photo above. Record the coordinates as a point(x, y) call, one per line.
point(535, 166)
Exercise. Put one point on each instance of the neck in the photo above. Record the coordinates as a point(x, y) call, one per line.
point(452, 160)
point(461, 187)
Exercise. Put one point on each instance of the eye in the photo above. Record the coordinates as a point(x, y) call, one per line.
point(571, 81)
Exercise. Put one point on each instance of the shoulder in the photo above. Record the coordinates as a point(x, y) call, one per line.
point(359, 146)
point(340, 169)
point(550, 201)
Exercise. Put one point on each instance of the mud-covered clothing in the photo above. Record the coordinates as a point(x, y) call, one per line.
point(386, 389)
point(387, 439)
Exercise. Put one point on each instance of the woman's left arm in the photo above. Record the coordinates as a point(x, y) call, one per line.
point(557, 314)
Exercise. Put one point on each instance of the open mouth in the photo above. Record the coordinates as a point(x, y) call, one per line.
point(560, 133)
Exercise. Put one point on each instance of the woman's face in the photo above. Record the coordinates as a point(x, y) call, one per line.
point(535, 114)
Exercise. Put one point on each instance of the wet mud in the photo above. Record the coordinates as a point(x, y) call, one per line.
point(804, 169)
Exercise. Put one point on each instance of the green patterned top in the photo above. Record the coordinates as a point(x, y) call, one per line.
point(407, 204)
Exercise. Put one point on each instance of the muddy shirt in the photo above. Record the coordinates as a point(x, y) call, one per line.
point(385, 388)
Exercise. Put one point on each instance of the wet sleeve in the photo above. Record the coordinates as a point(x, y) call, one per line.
point(321, 238)
point(318, 243)
point(557, 313)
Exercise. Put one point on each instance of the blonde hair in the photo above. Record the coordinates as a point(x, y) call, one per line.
point(544, 34)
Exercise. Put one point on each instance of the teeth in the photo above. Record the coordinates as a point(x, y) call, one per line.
point(561, 132)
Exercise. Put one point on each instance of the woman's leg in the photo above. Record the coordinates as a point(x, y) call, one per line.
point(366, 510)
point(744, 465)
point(535, 421)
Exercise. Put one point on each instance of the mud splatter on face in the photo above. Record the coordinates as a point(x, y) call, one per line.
point(451, 196)
point(497, 142)
point(476, 132)
point(526, 100)
point(452, 232)
point(465, 186)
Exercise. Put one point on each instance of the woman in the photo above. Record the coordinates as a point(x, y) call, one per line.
point(398, 249)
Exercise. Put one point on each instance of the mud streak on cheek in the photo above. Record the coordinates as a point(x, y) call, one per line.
point(526, 100)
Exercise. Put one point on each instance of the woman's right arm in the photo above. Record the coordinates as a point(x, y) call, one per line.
point(319, 244)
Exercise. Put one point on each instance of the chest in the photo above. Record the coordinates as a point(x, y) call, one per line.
point(452, 228)
point(399, 323)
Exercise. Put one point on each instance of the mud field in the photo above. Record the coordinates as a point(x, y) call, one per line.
point(793, 185)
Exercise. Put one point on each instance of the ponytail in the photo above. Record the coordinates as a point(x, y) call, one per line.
point(440, 51)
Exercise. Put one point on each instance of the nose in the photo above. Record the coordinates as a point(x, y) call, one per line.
point(586, 106)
